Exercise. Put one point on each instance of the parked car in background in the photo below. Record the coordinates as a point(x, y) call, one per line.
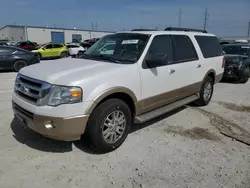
point(237, 62)
point(92, 41)
point(52, 50)
point(12, 58)
point(3, 43)
point(12, 43)
point(27, 45)
point(74, 48)
point(148, 74)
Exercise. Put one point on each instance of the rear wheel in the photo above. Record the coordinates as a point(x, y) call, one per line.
point(64, 55)
point(246, 75)
point(109, 125)
point(206, 92)
point(18, 65)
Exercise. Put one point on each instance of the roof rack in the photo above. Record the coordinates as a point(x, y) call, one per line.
point(143, 30)
point(185, 29)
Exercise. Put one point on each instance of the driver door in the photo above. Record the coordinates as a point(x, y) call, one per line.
point(48, 52)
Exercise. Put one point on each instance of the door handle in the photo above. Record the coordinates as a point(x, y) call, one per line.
point(171, 71)
point(199, 65)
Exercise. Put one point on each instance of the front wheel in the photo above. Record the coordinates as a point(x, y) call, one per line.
point(109, 125)
point(206, 92)
point(18, 65)
point(246, 75)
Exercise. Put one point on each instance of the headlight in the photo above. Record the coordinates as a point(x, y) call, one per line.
point(64, 95)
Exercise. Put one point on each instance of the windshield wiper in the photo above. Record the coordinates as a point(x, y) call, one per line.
point(104, 57)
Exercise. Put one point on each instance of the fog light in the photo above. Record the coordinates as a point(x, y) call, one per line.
point(48, 124)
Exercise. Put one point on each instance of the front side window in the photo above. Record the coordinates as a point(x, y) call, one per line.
point(160, 50)
point(237, 49)
point(123, 48)
point(49, 46)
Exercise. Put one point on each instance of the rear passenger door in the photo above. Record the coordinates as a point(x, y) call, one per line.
point(57, 49)
point(186, 60)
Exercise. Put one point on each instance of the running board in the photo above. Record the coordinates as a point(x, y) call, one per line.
point(165, 109)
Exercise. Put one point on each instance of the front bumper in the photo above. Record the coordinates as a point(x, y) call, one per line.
point(58, 128)
point(233, 72)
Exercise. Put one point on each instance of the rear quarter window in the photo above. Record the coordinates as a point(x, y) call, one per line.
point(209, 45)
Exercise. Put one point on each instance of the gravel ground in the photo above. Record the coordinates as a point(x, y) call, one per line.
point(182, 149)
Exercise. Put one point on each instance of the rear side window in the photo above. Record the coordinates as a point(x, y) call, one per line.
point(183, 49)
point(57, 46)
point(209, 45)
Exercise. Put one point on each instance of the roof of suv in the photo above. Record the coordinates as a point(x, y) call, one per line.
point(168, 32)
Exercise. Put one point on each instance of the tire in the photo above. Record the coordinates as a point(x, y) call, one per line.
point(39, 56)
point(206, 92)
point(98, 126)
point(64, 55)
point(246, 74)
point(18, 65)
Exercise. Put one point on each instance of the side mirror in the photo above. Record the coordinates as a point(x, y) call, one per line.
point(156, 62)
point(43, 48)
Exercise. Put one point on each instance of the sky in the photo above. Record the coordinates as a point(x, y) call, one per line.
point(226, 17)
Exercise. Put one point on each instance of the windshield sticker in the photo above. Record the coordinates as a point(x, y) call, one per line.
point(245, 46)
point(130, 41)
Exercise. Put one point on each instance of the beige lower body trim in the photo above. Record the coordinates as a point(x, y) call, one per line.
point(158, 101)
point(218, 78)
point(65, 129)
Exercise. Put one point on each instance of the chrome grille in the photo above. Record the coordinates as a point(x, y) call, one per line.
point(30, 89)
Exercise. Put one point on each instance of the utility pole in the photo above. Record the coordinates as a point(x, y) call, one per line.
point(205, 19)
point(248, 33)
point(180, 18)
point(92, 26)
point(96, 26)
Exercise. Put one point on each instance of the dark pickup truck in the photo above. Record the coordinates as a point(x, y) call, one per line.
point(237, 62)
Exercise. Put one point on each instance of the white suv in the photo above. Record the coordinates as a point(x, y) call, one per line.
point(147, 74)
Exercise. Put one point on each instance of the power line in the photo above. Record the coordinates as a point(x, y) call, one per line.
point(205, 19)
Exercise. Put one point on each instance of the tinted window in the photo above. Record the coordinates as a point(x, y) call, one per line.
point(239, 50)
point(57, 46)
point(49, 46)
point(183, 49)
point(160, 48)
point(72, 46)
point(210, 46)
point(7, 50)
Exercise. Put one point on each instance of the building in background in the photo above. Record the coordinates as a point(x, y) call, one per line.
point(48, 34)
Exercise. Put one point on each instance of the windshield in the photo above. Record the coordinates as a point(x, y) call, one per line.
point(237, 49)
point(40, 46)
point(121, 47)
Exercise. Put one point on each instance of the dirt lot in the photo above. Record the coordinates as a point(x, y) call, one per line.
point(182, 149)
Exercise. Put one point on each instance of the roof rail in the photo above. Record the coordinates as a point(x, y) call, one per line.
point(143, 30)
point(185, 29)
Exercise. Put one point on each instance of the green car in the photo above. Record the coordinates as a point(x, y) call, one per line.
point(52, 50)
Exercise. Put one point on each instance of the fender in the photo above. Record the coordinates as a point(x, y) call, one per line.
point(107, 92)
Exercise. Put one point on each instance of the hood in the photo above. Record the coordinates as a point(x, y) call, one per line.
point(235, 59)
point(70, 71)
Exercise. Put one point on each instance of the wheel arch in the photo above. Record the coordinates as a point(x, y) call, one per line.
point(121, 93)
point(211, 73)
